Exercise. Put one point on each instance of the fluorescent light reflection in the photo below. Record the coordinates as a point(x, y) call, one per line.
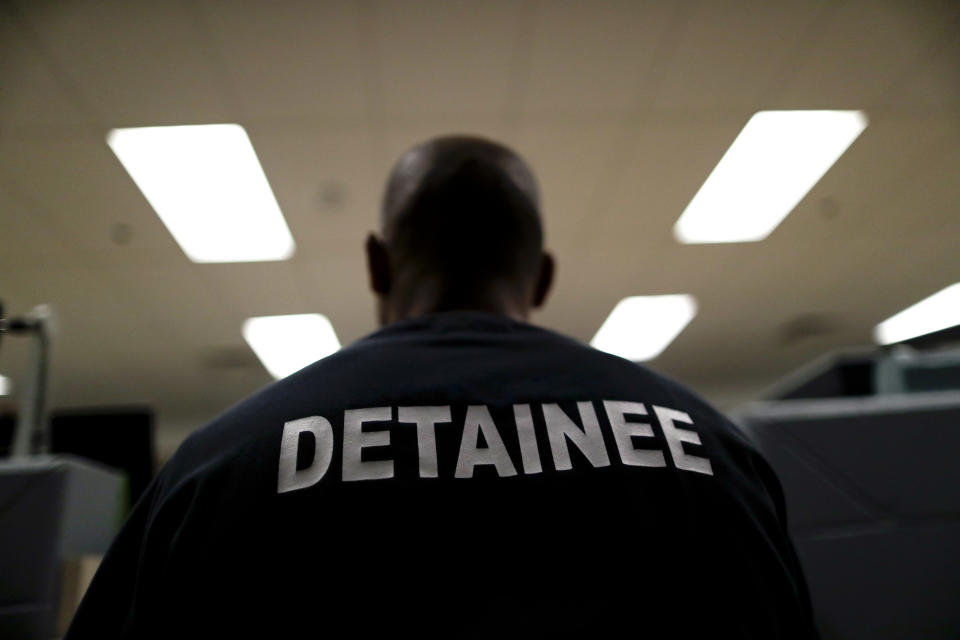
point(939, 311)
point(6, 387)
point(208, 188)
point(286, 344)
point(640, 327)
point(774, 162)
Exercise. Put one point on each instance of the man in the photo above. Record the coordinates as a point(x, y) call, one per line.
point(459, 473)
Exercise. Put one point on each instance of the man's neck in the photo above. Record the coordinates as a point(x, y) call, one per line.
point(426, 302)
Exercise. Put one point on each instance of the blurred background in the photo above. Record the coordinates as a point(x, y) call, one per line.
point(622, 108)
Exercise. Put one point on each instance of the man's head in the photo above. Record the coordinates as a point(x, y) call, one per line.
point(461, 230)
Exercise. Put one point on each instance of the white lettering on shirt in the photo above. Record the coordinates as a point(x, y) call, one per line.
point(355, 439)
point(589, 440)
point(623, 433)
point(290, 478)
point(677, 436)
point(561, 430)
point(479, 420)
point(529, 453)
point(425, 418)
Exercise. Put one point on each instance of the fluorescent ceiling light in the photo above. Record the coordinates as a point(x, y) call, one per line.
point(774, 162)
point(640, 327)
point(939, 311)
point(5, 386)
point(207, 186)
point(286, 344)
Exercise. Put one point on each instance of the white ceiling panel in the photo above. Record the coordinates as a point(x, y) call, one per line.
point(255, 288)
point(668, 161)
point(339, 291)
point(327, 180)
point(78, 186)
point(176, 302)
point(729, 53)
point(28, 240)
point(31, 94)
point(933, 84)
point(592, 56)
point(865, 46)
point(136, 63)
point(290, 59)
point(446, 56)
point(571, 160)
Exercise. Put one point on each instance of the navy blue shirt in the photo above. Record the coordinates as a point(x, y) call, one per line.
point(458, 475)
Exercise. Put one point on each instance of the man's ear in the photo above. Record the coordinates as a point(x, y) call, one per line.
point(378, 265)
point(544, 280)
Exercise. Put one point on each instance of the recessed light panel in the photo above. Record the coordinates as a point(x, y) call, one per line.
point(774, 162)
point(640, 327)
point(286, 344)
point(939, 311)
point(207, 186)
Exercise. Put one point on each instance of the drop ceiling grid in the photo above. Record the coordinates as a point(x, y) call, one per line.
point(300, 161)
point(591, 58)
point(866, 45)
point(665, 165)
point(32, 95)
point(137, 63)
point(905, 158)
point(931, 84)
point(569, 159)
point(290, 59)
point(729, 53)
point(27, 241)
point(178, 303)
point(338, 290)
point(917, 254)
point(254, 288)
point(89, 348)
point(895, 189)
point(78, 186)
point(446, 56)
point(937, 82)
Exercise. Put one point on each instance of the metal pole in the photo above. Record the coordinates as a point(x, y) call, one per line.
point(32, 434)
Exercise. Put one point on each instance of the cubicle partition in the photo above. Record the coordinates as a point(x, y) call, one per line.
point(873, 493)
point(52, 508)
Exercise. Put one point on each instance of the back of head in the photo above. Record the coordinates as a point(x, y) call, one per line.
point(462, 213)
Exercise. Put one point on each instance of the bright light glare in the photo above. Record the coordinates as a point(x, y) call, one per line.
point(207, 186)
point(286, 344)
point(5, 386)
point(939, 311)
point(640, 327)
point(774, 162)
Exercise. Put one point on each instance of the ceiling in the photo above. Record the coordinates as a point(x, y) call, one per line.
point(623, 109)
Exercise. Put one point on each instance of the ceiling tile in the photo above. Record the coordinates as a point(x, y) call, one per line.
point(80, 189)
point(136, 63)
point(31, 95)
point(290, 59)
point(933, 83)
point(730, 52)
point(327, 180)
point(28, 241)
point(865, 46)
point(593, 56)
point(571, 160)
point(446, 56)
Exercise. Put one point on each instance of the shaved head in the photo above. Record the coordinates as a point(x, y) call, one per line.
point(430, 163)
point(460, 220)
